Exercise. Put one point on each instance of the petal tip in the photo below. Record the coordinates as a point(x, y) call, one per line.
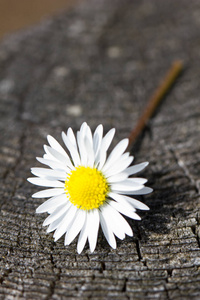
point(79, 251)
point(38, 211)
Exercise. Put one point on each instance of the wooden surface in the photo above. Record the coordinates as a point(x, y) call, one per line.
point(15, 15)
point(100, 63)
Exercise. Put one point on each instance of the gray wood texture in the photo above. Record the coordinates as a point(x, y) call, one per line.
point(100, 62)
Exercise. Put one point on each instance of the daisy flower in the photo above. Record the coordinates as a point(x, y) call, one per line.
point(87, 188)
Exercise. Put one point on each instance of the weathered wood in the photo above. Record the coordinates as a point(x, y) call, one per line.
point(100, 62)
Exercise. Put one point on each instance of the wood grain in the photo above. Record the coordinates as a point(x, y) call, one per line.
point(99, 63)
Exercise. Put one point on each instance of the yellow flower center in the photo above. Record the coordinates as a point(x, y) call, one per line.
point(86, 188)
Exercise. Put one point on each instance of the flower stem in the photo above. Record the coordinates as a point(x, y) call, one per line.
point(154, 101)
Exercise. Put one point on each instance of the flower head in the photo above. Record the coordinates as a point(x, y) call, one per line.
point(87, 188)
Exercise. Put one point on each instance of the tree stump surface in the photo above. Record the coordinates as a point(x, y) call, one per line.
point(100, 62)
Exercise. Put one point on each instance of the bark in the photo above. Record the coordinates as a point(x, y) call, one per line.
point(100, 62)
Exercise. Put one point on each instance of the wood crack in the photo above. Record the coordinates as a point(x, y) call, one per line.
point(138, 249)
point(5, 275)
point(185, 169)
point(57, 273)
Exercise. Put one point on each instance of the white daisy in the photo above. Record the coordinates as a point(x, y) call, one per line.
point(87, 188)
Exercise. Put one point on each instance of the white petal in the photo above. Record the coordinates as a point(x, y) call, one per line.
point(53, 164)
point(83, 235)
point(107, 231)
point(106, 141)
point(83, 128)
point(138, 180)
point(135, 203)
point(119, 166)
point(76, 226)
point(48, 193)
point(45, 182)
point(72, 149)
point(57, 222)
point(89, 135)
point(52, 202)
point(117, 178)
point(70, 135)
point(63, 227)
point(137, 168)
point(121, 199)
point(145, 190)
point(124, 211)
point(90, 152)
point(121, 225)
point(60, 157)
point(97, 138)
point(111, 217)
point(55, 145)
point(82, 149)
point(131, 182)
point(115, 154)
point(126, 186)
point(93, 221)
point(102, 159)
point(53, 207)
point(43, 172)
point(48, 155)
point(56, 214)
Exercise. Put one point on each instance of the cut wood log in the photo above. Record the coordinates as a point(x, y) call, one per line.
point(100, 62)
